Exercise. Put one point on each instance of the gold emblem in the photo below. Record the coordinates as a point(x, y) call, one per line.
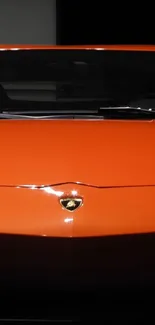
point(71, 204)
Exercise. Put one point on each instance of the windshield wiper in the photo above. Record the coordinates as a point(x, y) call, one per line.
point(123, 112)
point(8, 116)
point(48, 117)
point(128, 110)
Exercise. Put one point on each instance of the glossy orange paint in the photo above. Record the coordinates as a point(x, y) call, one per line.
point(111, 164)
point(115, 47)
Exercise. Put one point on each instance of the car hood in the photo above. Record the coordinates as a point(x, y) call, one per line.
point(100, 153)
point(110, 165)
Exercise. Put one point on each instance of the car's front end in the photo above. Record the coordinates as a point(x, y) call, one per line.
point(77, 177)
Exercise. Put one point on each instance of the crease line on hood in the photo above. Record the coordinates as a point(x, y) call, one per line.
point(33, 186)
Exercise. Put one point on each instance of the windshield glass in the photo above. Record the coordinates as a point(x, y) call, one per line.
point(33, 80)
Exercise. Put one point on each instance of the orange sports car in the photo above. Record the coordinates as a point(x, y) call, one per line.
point(77, 165)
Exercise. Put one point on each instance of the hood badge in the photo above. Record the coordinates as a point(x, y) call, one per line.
point(71, 203)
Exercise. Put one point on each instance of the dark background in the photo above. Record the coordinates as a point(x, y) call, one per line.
point(99, 22)
point(27, 21)
point(68, 22)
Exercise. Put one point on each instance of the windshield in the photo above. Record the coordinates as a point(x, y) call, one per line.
point(60, 81)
